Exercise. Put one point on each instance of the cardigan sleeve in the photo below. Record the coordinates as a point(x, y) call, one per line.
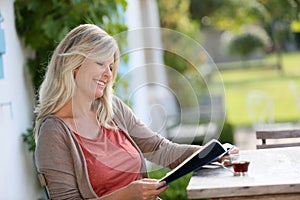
point(154, 147)
point(55, 160)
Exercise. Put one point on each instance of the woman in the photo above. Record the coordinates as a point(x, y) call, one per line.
point(89, 143)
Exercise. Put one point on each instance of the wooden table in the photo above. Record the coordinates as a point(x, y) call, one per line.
point(273, 174)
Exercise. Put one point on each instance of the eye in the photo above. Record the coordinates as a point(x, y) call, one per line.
point(101, 64)
point(111, 66)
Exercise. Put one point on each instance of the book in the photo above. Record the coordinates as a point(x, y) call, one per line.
point(210, 152)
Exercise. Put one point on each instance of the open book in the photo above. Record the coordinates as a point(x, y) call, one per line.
point(210, 152)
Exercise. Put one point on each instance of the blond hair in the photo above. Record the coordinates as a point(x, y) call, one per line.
point(58, 87)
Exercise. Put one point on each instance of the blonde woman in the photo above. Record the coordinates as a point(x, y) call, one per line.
point(89, 143)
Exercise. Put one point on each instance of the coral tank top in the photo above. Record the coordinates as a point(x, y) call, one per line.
point(112, 161)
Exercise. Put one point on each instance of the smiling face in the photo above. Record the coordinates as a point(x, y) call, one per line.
point(92, 78)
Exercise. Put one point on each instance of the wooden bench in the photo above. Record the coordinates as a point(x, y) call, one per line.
point(291, 134)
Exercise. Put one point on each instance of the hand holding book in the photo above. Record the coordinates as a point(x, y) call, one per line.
point(210, 152)
point(232, 150)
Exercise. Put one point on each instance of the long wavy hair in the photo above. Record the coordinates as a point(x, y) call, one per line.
point(58, 87)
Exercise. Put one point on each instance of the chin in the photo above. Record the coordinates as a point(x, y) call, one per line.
point(98, 95)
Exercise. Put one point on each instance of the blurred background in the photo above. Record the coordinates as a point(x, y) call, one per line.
point(190, 69)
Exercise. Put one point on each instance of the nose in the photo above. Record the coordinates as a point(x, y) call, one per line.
point(108, 72)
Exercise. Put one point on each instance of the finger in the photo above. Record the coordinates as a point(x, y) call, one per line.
point(161, 184)
point(152, 184)
point(150, 180)
point(235, 150)
point(161, 187)
point(226, 161)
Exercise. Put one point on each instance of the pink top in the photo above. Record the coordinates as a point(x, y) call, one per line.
point(112, 161)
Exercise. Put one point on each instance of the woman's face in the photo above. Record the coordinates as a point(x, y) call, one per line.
point(92, 78)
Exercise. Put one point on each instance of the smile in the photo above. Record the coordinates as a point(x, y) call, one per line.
point(101, 83)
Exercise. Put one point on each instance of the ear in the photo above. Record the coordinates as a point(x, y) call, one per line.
point(76, 72)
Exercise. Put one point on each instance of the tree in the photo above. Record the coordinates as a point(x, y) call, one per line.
point(231, 14)
point(224, 15)
point(275, 16)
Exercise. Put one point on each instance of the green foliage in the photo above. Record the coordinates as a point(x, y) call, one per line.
point(275, 16)
point(245, 44)
point(42, 24)
point(177, 189)
point(224, 15)
point(227, 133)
point(231, 13)
point(174, 15)
point(28, 138)
point(200, 9)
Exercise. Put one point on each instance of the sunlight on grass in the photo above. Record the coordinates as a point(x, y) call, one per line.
point(282, 87)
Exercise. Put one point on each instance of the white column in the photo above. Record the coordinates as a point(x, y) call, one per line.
point(136, 58)
point(152, 101)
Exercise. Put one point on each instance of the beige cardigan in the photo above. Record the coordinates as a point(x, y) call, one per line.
point(60, 159)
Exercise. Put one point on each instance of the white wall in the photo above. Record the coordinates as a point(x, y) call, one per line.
point(17, 174)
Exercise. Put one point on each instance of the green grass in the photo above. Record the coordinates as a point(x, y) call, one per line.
point(177, 189)
point(239, 83)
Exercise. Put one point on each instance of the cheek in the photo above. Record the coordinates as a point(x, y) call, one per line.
point(82, 80)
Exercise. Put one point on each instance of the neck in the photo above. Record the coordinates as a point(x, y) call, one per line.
point(76, 108)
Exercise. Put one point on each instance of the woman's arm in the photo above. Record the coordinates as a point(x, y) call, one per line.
point(153, 146)
point(54, 160)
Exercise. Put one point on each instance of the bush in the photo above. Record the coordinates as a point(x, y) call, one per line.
point(227, 133)
point(245, 44)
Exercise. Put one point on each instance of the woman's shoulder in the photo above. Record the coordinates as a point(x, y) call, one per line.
point(53, 124)
point(52, 121)
point(117, 101)
point(120, 105)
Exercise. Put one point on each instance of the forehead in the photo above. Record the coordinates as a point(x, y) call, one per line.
point(109, 60)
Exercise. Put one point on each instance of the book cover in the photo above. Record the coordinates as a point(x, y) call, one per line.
point(210, 152)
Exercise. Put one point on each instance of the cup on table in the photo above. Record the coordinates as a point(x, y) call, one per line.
point(240, 164)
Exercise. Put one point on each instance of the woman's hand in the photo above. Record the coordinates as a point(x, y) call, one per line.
point(234, 150)
point(146, 189)
point(226, 158)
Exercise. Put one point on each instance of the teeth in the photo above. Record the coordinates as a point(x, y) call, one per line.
point(100, 83)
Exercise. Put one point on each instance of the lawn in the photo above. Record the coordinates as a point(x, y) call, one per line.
point(281, 88)
point(277, 90)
